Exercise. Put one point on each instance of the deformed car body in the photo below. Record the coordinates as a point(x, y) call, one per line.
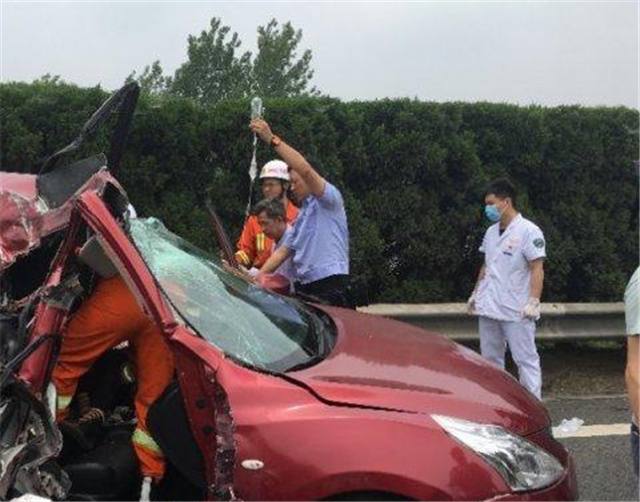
point(274, 398)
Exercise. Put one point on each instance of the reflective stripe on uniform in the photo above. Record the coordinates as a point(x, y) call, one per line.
point(63, 402)
point(260, 242)
point(243, 257)
point(141, 438)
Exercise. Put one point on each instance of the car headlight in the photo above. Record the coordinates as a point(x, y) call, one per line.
point(523, 465)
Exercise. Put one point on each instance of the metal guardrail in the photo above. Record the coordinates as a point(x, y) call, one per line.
point(558, 321)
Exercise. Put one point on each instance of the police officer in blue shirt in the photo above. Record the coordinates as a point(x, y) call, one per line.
point(318, 243)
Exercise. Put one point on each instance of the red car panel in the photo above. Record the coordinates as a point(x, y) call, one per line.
point(385, 363)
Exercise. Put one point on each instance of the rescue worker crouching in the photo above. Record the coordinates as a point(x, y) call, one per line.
point(254, 246)
point(318, 243)
point(107, 318)
point(507, 293)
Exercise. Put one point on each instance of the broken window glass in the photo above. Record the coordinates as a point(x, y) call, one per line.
point(246, 322)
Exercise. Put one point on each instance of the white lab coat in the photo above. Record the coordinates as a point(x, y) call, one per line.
point(502, 295)
point(504, 290)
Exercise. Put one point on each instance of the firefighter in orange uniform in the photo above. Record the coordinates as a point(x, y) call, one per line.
point(254, 247)
point(108, 317)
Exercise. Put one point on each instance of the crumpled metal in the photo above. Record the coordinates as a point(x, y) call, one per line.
point(20, 226)
point(23, 465)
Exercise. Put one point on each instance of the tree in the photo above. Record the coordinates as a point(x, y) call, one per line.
point(412, 175)
point(151, 80)
point(277, 71)
point(213, 71)
point(48, 79)
point(216, 70)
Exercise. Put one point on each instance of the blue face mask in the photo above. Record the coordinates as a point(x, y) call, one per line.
point(492, 213)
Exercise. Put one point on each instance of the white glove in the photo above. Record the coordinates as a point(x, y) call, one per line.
point(131, 212)
point(471, 304)
point(145, 490)
point(532, 309)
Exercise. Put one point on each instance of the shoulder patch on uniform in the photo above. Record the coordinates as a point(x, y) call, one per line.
point(539, 242)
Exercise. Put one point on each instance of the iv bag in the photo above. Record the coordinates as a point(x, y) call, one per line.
point(256, 108)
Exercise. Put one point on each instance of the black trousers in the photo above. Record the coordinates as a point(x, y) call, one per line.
point(333, 290)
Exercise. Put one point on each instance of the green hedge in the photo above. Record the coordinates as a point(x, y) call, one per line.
point(412, 174)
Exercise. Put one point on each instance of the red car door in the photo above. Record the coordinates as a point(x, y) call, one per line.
point(51, 313)
point(197, 362)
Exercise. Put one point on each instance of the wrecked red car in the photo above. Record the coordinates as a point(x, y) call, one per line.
point(274, 398)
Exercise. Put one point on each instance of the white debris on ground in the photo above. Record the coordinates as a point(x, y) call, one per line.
point(567, 427)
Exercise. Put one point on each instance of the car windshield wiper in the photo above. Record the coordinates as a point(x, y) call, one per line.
point(324, 329)
point(306, 364)
point(320, 332)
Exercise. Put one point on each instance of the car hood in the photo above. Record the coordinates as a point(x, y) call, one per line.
point(378, 362)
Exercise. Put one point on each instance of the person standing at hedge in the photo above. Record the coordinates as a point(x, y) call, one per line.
point(319, 240)
point(273, 222)
point(254, 246)
point(507, 293)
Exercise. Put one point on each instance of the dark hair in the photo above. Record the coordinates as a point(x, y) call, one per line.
point(502, 188)
point(273, 207)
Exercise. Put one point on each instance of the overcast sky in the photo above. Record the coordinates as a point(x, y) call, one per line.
point(545, 53)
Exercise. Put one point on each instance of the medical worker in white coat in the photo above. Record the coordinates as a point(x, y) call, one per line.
point(507, 293)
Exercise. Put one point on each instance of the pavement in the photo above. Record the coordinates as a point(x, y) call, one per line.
point(600, 448)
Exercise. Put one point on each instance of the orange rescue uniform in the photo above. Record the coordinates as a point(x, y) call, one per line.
point(254, 247)
point(108, 317)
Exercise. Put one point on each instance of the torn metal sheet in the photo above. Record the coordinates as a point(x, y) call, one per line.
point(28, 441)
point(9, 458)
point(26, 216)
point(211, 421)
point(20, 226)
point(225, 459)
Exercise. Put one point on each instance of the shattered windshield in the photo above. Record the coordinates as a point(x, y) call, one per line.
point(246, 322)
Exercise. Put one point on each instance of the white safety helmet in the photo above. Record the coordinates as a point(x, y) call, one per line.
point(275, 169)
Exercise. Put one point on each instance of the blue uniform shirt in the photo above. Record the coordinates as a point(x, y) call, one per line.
point(286, 267)
point(319, 240)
